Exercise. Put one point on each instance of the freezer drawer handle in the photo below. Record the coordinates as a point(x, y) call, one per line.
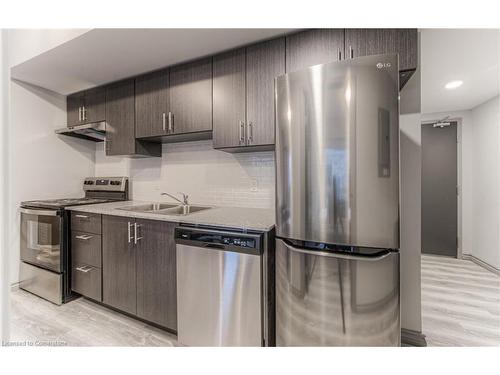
point(337, 255)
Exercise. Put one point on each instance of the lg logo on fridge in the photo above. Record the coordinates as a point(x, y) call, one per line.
point(381, 65)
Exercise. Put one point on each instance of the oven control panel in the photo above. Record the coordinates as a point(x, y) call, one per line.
point(105, 183)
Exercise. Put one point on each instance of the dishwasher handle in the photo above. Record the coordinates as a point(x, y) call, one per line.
point(214, 246)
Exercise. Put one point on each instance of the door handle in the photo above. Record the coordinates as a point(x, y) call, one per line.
point(242, 136)
point(81, 216)
point(135, 233)
point(84, 113)
point(163, 122)
point(38, 212)
point(84, 237)
point(250, 133)
point(170, 122)
point(339, 54)
point(129, 231)
point(79, 114)
point(351, 52)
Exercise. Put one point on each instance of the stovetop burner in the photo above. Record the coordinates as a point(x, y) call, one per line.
point(61, 203)
point(97, 190)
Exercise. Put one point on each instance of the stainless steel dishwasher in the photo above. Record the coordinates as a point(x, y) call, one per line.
point(219, 287)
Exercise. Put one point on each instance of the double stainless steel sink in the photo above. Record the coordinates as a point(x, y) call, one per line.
point(165, 208)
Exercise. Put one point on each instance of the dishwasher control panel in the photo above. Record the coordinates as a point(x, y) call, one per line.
point(219, 239)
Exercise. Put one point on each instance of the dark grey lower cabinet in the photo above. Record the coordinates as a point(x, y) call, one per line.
point(118, 264)
point(139, 268)
point(156, 273)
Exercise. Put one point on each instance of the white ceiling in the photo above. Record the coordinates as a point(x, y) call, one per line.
point(469, 55)
point(100, 56)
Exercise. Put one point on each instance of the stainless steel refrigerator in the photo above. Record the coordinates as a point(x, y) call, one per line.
point(337, 204)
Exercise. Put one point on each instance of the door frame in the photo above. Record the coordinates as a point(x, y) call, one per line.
point(458, 120)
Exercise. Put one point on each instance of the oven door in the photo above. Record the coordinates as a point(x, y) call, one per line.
point(41, 238)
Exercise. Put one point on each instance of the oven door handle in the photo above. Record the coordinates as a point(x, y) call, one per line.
point(39, 212)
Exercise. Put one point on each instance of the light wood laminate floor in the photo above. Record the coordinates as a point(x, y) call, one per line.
point(460, 307)
point(79, 323)
point(460, 303)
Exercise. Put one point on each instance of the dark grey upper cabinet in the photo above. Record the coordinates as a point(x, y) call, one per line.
point(152, 104)
point(265, 61)
point(120, 123)
point(74, 104)
point(156, 273)
point(95, 105)
point(191, 97)
point(229, 99)
point(118, 264)
point(364, 42)
point(312, 47)
point(86, 107)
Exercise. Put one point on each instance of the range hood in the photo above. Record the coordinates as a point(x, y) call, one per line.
point(93, 132)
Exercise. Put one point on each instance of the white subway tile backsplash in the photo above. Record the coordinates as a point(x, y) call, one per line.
point(209, 176)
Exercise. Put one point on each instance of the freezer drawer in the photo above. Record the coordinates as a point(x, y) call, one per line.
point(218, 297)
point(43, 283)
point(336, 300)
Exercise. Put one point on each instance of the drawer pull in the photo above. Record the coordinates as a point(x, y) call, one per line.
point(84, 237)
point(84, 269)
point(82, 216)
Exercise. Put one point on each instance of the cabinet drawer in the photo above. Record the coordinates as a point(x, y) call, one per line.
point(87, 281)
point(86, 222)
point(86, 248)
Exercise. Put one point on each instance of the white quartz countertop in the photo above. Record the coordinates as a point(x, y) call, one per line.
point(230, 217)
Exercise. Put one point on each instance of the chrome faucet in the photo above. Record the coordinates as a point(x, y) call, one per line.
point(184, 200)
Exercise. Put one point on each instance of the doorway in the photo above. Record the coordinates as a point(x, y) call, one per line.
point(439, 189)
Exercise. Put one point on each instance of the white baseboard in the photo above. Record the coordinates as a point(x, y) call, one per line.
point(481, 263)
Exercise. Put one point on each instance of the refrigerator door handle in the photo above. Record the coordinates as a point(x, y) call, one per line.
point(338, 255)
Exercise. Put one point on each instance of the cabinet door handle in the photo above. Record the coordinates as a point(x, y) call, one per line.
point(351, 52)
point(242, 136)
point(81, 216)
point(170, 122)
point(135, 233)
point(84, 113)
point(79, 114)
point(339, 54)
point(84, 237)
point(163, 122)
point(250, 133)
point(129, 231)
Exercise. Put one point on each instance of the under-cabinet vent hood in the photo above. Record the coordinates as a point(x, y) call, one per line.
point(94, 132)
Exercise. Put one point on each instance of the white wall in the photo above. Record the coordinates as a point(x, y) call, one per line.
point(4, 264)
point(410, 162)
point(479, 178)
point(208, 176)
point(485, 181)
point(41, 165)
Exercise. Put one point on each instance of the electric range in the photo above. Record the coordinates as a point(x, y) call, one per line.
point(45, 226)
